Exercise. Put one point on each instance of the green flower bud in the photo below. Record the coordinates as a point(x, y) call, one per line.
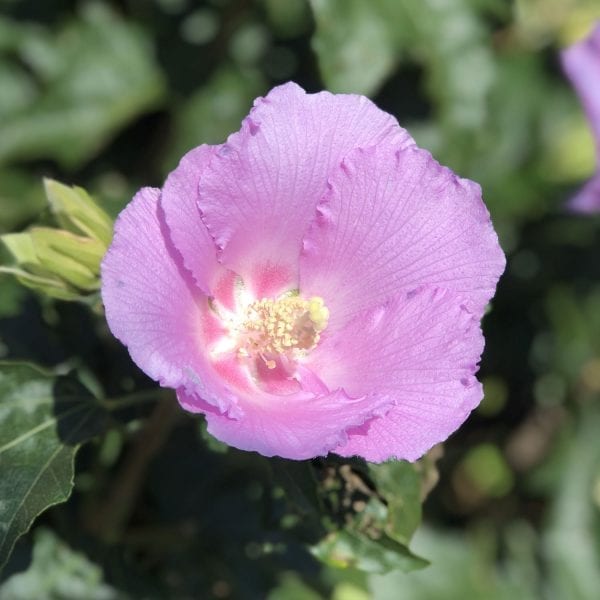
point(62, 263)
point(75, 211)
point(74, 258)
point(30, 272)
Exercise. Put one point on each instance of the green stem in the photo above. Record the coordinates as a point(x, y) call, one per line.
point(109, 519)
point(127, 400)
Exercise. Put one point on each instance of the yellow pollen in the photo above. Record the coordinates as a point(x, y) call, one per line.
point(289, 326)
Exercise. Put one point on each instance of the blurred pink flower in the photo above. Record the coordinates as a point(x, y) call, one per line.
point(581, 63)
point(313, 285)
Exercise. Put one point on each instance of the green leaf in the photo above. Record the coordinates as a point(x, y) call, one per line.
point(571, 539)
point(539, 23)
point(9, 34)
point(347, 549)
point(399, 484)
point(356, 42)
point(464, 567)
point(505, 156)
point(298, 481)
point(214, 111)
point(485, 469)
point(11, 299)
point(293, 588)
point(358, 45)
point(44, 419)
point(21, 198)
point(367, 513)
point(57, 572)
point(93, 76)
point(451, 41)
point(17, 89)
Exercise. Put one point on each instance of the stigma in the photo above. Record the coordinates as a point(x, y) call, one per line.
point(289, 327)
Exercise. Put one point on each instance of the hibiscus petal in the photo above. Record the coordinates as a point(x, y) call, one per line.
point(587, 199)
point(581, 62)
point(152, 304)
point(421, 350)
point(395, 220)
point(179, 200)
point(297, 427)
point(259, 193)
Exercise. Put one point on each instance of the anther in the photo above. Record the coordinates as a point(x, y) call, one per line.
point(289, 326)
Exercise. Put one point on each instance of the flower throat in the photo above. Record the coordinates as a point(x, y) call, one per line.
point(289, 326)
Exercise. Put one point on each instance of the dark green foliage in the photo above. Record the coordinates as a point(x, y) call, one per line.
point(133, 498)
point(44, 421)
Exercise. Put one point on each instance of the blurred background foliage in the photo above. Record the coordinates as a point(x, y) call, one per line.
point(108, 96)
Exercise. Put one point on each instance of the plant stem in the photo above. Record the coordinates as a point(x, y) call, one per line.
point(110, 519)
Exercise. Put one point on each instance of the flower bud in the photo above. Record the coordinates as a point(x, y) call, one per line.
point(62, 263)
point(75, 211)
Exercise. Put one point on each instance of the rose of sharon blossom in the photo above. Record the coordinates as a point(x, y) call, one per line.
point(581, 62)
point(313, 285)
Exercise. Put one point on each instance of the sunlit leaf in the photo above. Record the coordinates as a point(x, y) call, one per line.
point(43, 421)
point(540, 22)
point(57, 572)
point(214, 111)
point(367, 514)
point(400, 485)
point(347, 549)
point(293, 588)
point(571, 540)
point(357, 43)
point(463, 568)
point(289, 18)
point(97, 74)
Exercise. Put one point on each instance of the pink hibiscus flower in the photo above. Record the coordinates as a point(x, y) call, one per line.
point(581, 63)
point(313, 285)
